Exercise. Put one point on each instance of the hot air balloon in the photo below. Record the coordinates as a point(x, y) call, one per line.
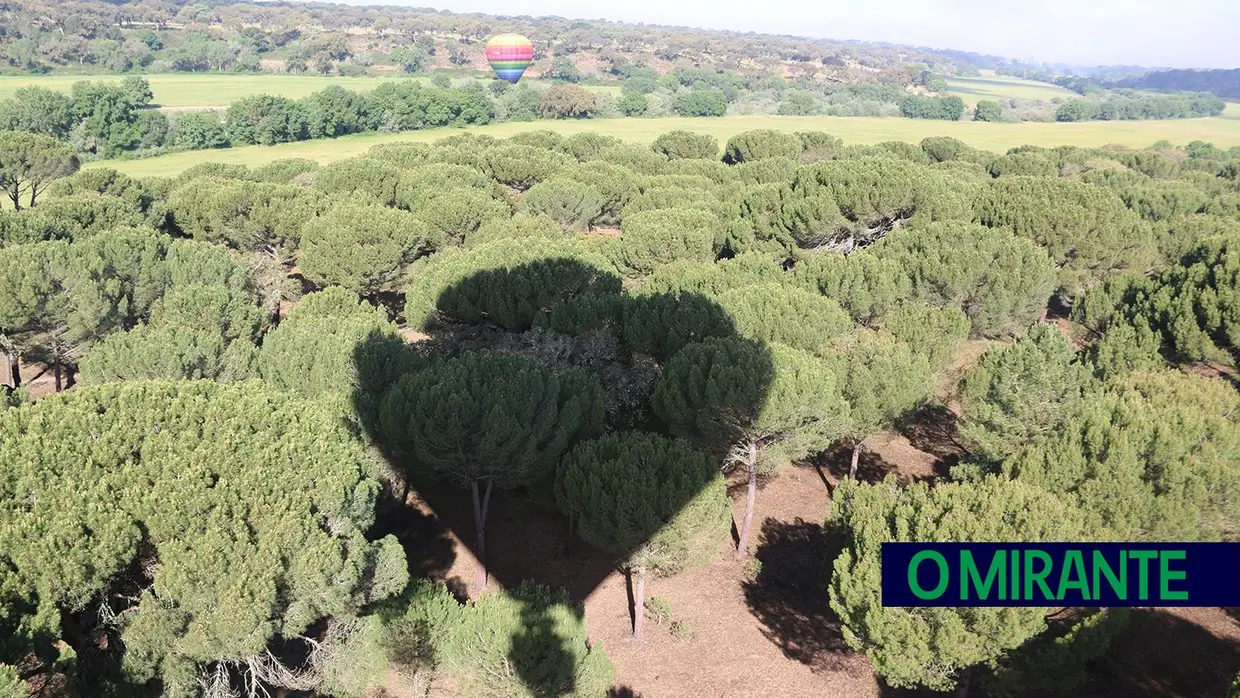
point(509, 55)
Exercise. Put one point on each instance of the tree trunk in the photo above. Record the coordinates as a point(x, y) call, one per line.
point(856, 456)
point(639, 602)
point(751, 465)
point(56, 368)
point(11, 372)
point(480, 523)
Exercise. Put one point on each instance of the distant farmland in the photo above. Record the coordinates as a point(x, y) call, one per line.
point(998, 137)
point(991, 86)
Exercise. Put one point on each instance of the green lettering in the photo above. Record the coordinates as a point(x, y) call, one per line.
point(1037, 577)
point(1015, 558)
point(1118, 584)
point(1073, 564)
point(970, 574)
point(1166, 574)
point(916, 588)
point(1143, 580)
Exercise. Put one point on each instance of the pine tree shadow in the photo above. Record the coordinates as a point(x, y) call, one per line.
point(934, 429)
point(561, 314)
point(837, 460)
point(1163, 655)
point(788, 594)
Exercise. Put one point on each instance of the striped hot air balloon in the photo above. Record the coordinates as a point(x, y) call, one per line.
point(509, 56)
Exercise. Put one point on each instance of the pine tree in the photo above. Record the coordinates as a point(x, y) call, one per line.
point(775, 403)
point(487, 420)
point(657, 502)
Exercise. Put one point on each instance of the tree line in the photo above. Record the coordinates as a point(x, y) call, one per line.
point(1129, 106)
point(765, 300)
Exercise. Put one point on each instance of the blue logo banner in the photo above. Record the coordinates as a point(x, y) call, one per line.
point(1060, 574)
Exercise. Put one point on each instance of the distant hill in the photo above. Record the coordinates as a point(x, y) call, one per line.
point(230, 36)
point(1224, 84)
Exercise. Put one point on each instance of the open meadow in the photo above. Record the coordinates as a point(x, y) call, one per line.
point(991, 86)
point(996, 137)
point(182, 90)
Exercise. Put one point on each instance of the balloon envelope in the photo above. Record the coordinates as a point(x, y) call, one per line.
point(509, 56)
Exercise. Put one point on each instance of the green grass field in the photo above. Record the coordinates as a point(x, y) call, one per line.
point(1223, 132)
point(216, 89)
point(991, 86)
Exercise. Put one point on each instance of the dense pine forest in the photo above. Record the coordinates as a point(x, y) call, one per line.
point(224, 390)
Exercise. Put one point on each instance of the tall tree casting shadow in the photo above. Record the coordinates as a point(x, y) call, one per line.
point(572, 325)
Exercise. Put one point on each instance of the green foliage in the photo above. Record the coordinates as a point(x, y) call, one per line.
point(519, 226)
point(38, 110)
point(249, 216)
point(334, 111)
point(652, 238)
point(987, 110)
point(362, 247)
point(1164, 201)
point(866, 285)
point(218, 310)
point(1086, 229)
point(529, 643)
point(656, 500)
point(687, 276)
point(660, 325)
point(881, 378)
point(454, 214)
point(1023, 392)
point(1002, 282)
point(11, 685)
point(1056, 663)
point(617, 184)
point(571, 204)
point(761, 144)
point(950, 108)
point(700, 101)
point(567, 102)
point(686, 144)
point(29, 162)
point(658, 610)
point(912, 647)
point(773, 312)
point(265, 120)
point(112, 279)
point(1153, 456)
point(522, 166)
point(506, 282)
point(361, 176)
point(494, 418)
point(76, 217)
point(947, 149)
point(1023, 164)
point(168, 353)
point(322, 351)
point(633, 104)
point(934, 333)
point(197, 130)
point(1191, 308)
point(798, 104)
point(254, 504)
point(724, 392)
